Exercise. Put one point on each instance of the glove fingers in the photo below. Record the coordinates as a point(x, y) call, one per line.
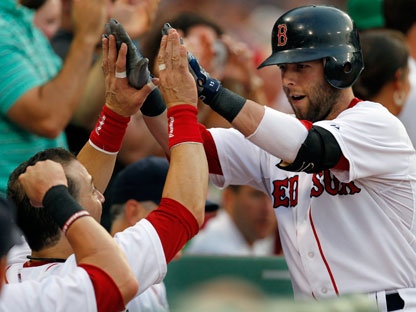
point(139, 75)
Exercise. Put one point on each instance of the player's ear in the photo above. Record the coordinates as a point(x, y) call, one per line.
point(132, 211)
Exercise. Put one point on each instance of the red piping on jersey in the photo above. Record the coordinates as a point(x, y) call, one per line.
point(322, 254)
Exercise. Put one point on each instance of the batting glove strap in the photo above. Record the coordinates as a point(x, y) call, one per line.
point(138, 73)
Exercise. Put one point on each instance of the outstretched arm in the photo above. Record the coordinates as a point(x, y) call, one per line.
point(122, 101)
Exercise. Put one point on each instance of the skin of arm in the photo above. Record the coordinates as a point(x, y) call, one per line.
point(188, 161)
point(47, 109)
point(91, 243)
point(137, 18)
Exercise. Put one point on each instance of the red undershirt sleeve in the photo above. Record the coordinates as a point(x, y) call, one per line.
point(174, 224)
point(107, 294)
point(211, 151)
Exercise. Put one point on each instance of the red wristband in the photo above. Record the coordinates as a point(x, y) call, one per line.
point(183, 125)
point(109, 131)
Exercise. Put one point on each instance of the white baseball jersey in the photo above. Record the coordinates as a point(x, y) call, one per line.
point(85, 288)
point(342, 232)
point(74, 292)
point(144, 252)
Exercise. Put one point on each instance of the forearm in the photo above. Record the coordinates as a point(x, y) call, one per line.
point(91, 243)
point(188, 161)
point(248, 118)
point(158, 127)
point(58, 98)
point(100, 165)
point(278, 133)
point(93, 97)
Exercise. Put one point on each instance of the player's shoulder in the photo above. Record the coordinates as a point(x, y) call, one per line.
point(368, 111)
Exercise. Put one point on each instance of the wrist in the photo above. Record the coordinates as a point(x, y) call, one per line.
point(109, 131)
point(63, 208)
point(227, 103)
point(183, 125)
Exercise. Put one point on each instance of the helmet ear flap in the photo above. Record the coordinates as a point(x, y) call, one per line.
point(342, 71)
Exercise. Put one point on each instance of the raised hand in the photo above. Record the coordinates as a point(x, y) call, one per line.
point(137, 69)
point(207, 87)
point(176, 83)
point(39, 178)
point(121, 97)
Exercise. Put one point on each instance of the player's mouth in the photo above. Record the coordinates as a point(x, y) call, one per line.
point(295, 98)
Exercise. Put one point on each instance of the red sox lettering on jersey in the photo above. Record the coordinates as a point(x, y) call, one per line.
point(285, 192)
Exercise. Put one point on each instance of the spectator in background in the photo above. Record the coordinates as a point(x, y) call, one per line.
point(385, 78)
point(38, 93)
point(223, 56)
point(400, 15)
point(137, 18)
point(245, 226)
point(47, 15)
point(367, 14)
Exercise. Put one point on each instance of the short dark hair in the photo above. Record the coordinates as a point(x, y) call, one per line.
point(384, 51)
point(38, 227)
point(399, 14)
point(32, 4)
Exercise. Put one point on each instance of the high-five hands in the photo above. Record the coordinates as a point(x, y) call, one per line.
point(137, 70)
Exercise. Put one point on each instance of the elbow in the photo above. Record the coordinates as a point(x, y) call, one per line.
point(131, 289)
point(50, 130)
point(200, 214)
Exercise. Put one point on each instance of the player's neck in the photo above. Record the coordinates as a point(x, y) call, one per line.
point(61, 250)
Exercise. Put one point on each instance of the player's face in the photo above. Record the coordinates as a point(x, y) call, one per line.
point(88, 197)
point(253, 213)
point(310, 96)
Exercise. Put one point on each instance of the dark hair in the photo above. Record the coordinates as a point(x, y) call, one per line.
point(399, 14)
point(32, 4)
point(384, 52)
point(38, 227)
point(183, 21)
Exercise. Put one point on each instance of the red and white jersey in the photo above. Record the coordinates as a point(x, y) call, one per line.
point(343, 232)
point(74, 292)
point(148, 245)
point(142, 247)
point(85, 288)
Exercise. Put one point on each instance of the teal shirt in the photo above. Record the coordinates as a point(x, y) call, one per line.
point(27, 61)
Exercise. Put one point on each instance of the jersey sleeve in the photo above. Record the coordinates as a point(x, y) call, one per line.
point(144, 252)
point(242, 162)
point(107, 294)
point(73, 292)
point(174, 224)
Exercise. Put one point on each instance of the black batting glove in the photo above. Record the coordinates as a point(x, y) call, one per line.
point(207, 87)
point(137, 69)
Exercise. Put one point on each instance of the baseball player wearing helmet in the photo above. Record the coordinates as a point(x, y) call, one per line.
point(342, 175)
